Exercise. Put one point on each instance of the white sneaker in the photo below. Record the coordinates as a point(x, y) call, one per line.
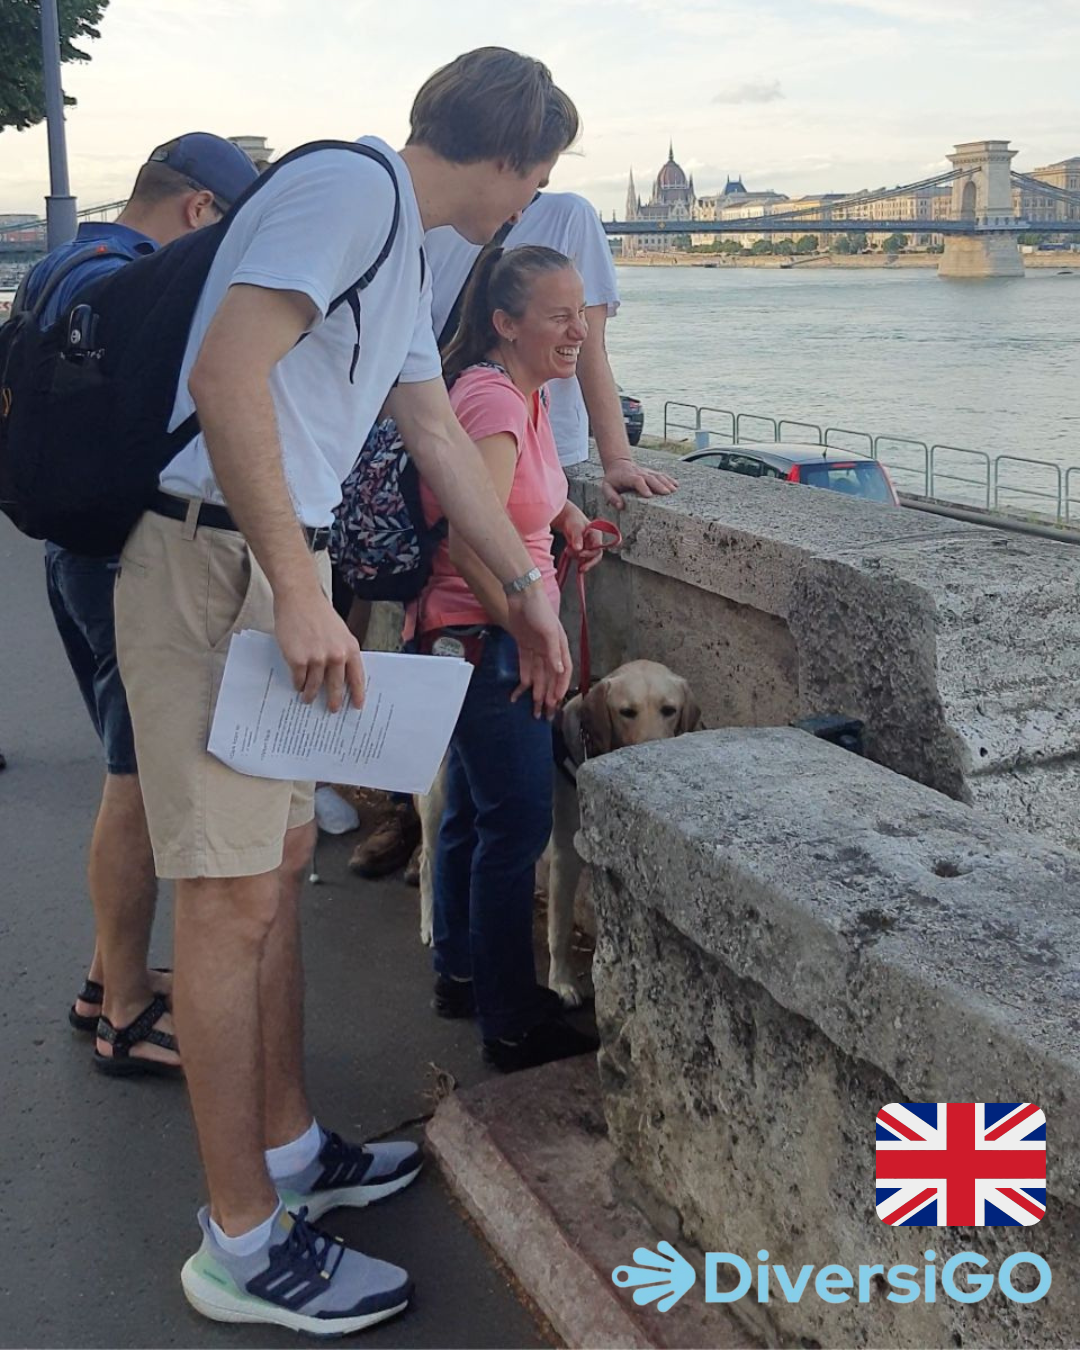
point(333, 814)
point(303, 1279)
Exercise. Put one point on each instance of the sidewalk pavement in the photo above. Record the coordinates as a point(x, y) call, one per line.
point(100, 1182)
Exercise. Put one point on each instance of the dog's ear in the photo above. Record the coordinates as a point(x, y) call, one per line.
point(689, 714)
point(596, 719)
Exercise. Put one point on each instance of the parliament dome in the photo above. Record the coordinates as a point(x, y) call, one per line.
point(671, 175)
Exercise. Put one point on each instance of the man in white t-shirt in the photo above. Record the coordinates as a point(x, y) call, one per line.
point(236, 539)
point(568, 223)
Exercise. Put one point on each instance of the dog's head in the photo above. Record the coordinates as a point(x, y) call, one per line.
point(641, 701)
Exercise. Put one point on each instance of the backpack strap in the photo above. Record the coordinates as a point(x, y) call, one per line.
point(351, 296)
point(311, 148)
point(97, 253)
point(189, 428)
point(497, 240)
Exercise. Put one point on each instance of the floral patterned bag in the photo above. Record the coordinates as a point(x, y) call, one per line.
point(381, 543)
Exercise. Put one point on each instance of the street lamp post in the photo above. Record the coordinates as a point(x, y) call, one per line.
point(59, 204)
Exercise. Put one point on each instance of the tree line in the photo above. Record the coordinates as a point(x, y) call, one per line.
point(805, 246)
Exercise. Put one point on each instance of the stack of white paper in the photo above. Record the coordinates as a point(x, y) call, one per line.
point(396, 741)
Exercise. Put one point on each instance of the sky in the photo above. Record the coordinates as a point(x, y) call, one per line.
point(798, 96)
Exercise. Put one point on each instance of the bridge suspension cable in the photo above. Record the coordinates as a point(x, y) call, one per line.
point(1046, 189)
point(863, 198)
point(107, 209)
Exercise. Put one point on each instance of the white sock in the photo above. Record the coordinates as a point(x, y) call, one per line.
point(287, 1159)
point(246, 1244)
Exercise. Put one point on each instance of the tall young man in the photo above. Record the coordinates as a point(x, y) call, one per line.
point(185, 184)
point(235, 541)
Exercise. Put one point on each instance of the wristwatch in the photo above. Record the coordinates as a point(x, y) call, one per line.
point(523, 582)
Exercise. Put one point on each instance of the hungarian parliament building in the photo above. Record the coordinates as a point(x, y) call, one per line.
point(675, 199)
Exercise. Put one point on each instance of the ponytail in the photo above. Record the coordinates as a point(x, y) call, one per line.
point(500, 279)
point(475, 335)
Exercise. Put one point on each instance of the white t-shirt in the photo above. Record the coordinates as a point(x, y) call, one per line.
point(316, 227)
point(559, 220)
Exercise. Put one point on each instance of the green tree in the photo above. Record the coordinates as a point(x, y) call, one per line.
point(843, 245)
point(22, 86)
point(1034, 237)
point(763, 246)
point(807, 244)
point(784, 247)
point(895, 243)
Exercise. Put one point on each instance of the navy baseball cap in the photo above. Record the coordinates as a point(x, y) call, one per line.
point(208, 162)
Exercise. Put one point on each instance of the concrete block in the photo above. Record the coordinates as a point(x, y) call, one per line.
point(790, 937)
point(957, 645)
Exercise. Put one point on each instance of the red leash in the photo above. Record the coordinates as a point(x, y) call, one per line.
point(562, 573)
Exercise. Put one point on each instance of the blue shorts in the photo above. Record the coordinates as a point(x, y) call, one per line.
point(81, 595)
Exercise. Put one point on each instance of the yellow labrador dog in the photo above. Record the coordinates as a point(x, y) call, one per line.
point(641, 701)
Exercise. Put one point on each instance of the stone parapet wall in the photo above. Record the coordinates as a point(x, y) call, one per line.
point(789, 938)
point(959, 646)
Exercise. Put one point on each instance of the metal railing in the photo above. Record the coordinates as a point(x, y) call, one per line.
point(947, 472)
point(939, 474)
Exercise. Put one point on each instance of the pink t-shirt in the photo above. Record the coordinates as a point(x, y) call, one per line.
point(488, 403)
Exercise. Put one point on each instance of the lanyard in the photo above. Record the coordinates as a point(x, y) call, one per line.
point(563, 573)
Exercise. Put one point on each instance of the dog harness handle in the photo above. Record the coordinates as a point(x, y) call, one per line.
point(570, 556)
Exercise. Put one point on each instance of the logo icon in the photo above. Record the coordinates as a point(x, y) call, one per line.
point(961, 1164)
point(663, 1275)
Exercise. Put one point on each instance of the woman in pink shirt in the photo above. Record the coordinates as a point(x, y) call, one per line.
point(522, 324)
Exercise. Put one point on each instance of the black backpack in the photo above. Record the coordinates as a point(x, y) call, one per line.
point(85, 404)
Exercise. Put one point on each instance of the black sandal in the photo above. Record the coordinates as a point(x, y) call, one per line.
point(122, 1063)
point(94, 992)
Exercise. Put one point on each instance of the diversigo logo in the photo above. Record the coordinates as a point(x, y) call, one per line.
point(664, 1276)
point(939, 1164)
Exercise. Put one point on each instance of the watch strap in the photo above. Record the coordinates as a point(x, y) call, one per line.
point(523, 582)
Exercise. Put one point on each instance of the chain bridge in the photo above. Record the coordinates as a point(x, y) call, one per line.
point(981, 229)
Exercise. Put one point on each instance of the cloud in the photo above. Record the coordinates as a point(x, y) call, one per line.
point(760, 92)
point(915, 11)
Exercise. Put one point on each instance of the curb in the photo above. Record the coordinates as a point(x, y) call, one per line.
point(529, 1158)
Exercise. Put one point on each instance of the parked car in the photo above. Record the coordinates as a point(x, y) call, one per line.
point(815, 465)
point(633, 416)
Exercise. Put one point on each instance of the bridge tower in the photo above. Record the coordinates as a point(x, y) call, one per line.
point(982, 196)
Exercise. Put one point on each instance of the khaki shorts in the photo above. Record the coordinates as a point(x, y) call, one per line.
point(180, 596)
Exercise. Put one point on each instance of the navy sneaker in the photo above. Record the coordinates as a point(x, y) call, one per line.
point(349, 1174)
point(303, 1279)
point(454, 998)
point(550, 1040)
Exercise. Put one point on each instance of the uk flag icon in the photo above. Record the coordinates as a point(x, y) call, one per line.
point(961, 1164)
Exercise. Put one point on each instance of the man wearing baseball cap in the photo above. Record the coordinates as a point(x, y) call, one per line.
point(185, 184)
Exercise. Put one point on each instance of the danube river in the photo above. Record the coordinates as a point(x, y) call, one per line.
point(990, 365)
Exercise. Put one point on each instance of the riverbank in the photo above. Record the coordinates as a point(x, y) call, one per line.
point(820, 262)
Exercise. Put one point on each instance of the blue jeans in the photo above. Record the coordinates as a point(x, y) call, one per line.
point(81, 596)
point(496, 825)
